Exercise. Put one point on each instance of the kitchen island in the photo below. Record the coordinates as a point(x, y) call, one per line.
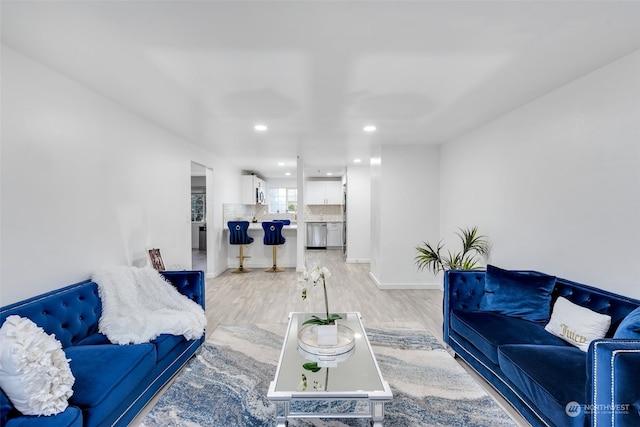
point(261, 255)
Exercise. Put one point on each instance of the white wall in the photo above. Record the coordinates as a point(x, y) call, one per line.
point(376, 213)
point(225, 185)
point(358, 214)
point(281, 182)
point(87, 183)
point(405, 212)
point(555, 184)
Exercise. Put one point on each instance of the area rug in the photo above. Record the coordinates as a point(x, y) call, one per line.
point(227, 383)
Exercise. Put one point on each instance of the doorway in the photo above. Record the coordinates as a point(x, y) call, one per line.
point(198, 217)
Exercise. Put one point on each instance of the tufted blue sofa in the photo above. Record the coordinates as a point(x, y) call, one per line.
point(112, 382)
point(548, 381)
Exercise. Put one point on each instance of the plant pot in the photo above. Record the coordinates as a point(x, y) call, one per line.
point(308, 338)
point(328, 334)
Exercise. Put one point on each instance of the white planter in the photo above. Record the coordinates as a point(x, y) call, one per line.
point(328, 334)
point(341, 347)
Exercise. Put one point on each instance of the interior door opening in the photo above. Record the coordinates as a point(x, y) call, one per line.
point(198, 217)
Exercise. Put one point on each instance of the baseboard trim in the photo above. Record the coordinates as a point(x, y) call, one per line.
point(358, 261)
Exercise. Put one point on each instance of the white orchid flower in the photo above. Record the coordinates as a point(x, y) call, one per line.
point(315, 275)
point(325, 273)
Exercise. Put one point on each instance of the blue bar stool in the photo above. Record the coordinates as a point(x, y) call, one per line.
point(238, 236)
point(273, 237)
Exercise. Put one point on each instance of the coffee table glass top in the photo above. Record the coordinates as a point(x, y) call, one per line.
point(359, 373)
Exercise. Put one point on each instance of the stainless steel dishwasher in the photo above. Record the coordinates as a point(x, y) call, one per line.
point(316, 235)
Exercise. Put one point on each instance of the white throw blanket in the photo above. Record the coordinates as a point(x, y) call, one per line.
point(138, 304)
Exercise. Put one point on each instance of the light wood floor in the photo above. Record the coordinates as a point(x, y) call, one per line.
point(261, 297)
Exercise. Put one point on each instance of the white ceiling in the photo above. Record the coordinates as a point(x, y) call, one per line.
point(316, 72)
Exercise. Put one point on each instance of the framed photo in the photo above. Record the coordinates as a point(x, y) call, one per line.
point(156, 259)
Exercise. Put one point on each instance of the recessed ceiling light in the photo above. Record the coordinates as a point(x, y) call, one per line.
point(280, 163)
point(369, 128)
point(329, 173)
point(260, 128)
point(287, 173)
point(356, 160)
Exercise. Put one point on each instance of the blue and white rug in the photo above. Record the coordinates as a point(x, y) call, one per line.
point(227, 383)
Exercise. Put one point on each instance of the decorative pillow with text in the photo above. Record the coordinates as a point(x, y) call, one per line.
point(577, 325)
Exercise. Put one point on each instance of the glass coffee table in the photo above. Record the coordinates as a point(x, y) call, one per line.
point(347, 385)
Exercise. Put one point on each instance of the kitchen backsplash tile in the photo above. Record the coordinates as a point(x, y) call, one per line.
point(324, 213)
point(239, 212)
point(236, 212)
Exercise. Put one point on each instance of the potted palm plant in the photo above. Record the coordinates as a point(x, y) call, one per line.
point(433, 258)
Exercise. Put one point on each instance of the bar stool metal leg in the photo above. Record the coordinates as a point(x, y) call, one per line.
point(274, 268)
point(241, 268)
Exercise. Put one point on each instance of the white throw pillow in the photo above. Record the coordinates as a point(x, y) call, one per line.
point(34, 371)
point(577, 325)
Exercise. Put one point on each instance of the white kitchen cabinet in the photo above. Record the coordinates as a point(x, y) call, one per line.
point(254, 190)
point(334, 193)
point(334, 234)
point(316, 192)
point(324, 193)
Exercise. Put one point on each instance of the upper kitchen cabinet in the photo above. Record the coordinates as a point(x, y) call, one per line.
point(324, 193)
point(316, 192)
point(254, 190)
point(335, 193)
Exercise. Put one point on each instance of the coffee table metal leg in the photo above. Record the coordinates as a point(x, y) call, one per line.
point(282, 413)
point(377, 414)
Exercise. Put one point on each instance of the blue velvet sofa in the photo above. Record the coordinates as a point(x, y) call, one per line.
point(547, 380)
point(113, 383)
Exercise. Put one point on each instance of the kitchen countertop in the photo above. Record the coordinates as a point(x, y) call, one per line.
point(323, 220)
point(258, 226)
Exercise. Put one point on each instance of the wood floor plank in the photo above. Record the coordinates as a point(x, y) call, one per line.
point(261, 297)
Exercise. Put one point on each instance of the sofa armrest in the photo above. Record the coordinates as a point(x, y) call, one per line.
point(462, 291)
point(189, 283)
point(613, 369)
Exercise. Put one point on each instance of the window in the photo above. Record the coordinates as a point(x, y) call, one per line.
point(197, 207)
point(283, 200)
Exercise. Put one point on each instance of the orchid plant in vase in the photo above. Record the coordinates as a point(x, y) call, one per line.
point(318, 275)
